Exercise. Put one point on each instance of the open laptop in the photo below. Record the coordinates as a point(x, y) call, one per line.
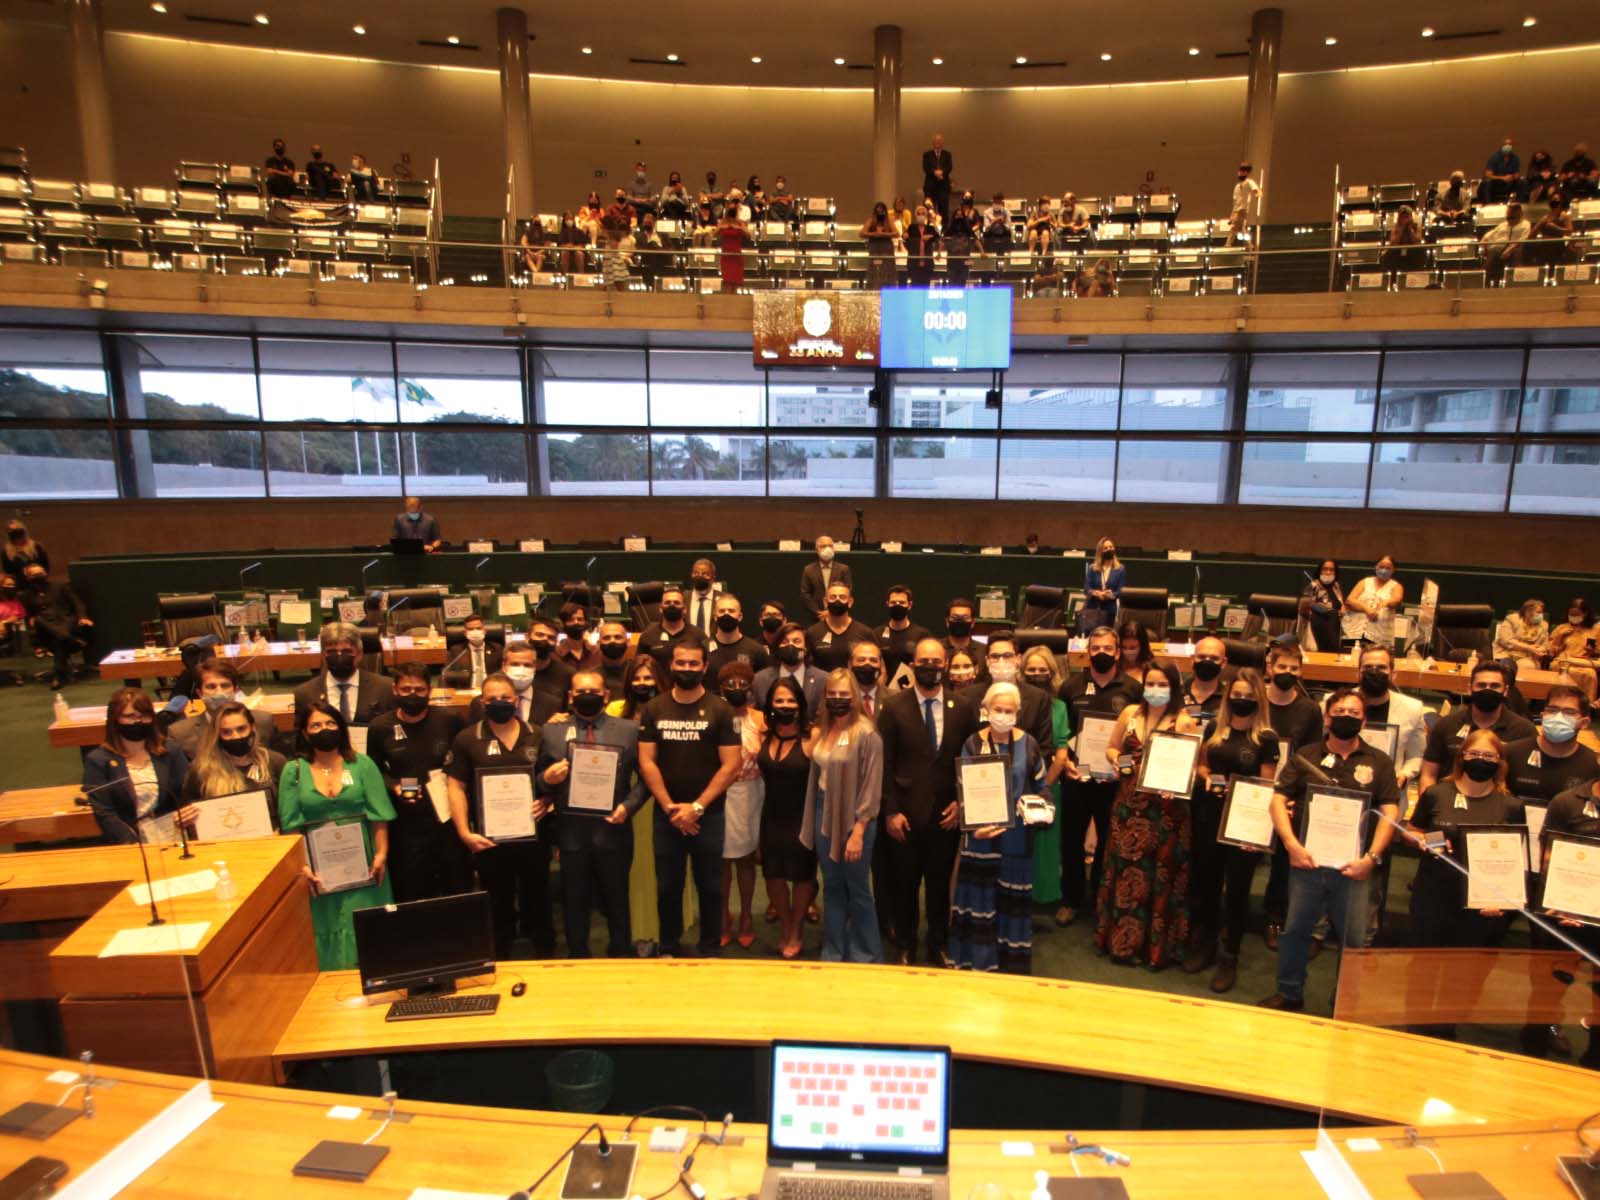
point(858, 1121)
point(406, 546)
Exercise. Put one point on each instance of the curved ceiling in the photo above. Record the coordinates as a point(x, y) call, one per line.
point(798, 41)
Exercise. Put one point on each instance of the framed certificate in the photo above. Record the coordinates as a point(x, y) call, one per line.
point(1247, 814)
point(1384, 737)
point(1092, 741)
point(225, 818)
point(338, 855)
point(1169, 764)
point(592, 778)
point(1333, 825)
point(981, 782)
point(1497, 865)
point(505, 804)
point(1572, 878)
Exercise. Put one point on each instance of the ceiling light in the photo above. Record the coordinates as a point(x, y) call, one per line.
point(1427, 31)
point(158, 7)
point(261, 19)
point(1529, 22)
point(453, 40)
point(1330, 41)
point(588, 49)
point(359, 29)
point(756, 58)
point(1021, 61)
point(838, 62)
point(1105, 57)
point(672, 58)
point(1194, 51)
point(938, 62)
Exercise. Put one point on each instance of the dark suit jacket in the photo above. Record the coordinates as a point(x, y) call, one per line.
point(186, 734)
point(544, 707)
point(916, 781)
point(460, 675)
point(57, 609)
point(114, 807)
point(1033, 716)
point(610, 731)
point(374, 694)
point(761, 687)
point(936, 160)
point(813, 591)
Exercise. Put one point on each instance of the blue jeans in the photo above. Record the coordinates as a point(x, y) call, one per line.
point(674, 852)
point(1312, 895)
point(849, 916)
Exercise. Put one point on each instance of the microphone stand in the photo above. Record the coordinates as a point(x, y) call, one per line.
point(138, 840)
point(388, 625)
point(364, 571)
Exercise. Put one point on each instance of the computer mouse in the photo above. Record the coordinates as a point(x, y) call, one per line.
point(518, 988)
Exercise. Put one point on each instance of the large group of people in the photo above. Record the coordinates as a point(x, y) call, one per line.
point(828, 754)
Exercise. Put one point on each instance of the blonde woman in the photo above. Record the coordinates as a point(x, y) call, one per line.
point(841, 818)
point(231, 759)
point(1103, 581)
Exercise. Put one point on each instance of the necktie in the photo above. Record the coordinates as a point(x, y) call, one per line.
point(344, 703)
point(933, 729)
point(588, 734)
point(866, 703)
point(700, 615)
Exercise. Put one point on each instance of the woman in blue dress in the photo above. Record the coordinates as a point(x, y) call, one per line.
point(991, 913)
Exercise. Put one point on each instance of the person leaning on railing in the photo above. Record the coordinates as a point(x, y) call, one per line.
point(880, 233)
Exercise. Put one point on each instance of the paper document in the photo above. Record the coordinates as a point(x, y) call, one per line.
point(1333, 828)
point(338, 855)
point(179, 885)
point(227, 817)
point(155, 939)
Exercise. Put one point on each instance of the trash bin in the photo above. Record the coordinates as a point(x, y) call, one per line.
point(580, 1081)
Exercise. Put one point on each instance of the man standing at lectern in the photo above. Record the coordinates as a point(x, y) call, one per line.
point(936, 167)
point(416, 525)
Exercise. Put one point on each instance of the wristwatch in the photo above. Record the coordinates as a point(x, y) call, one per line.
point(1377, 859)
point(699, 809)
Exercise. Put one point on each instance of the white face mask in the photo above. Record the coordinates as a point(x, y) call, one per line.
point(521, 677)
point(1327, 578)
point(826, 554)
point(1002, 722)
point(1003, 672)
point(476, 636)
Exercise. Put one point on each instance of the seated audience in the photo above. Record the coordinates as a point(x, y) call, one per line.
point(533, 239)
point(322, 176)
point(781, 200)
point(961, 235)
point(641, 193)
point(13, 617)
point(1501, 175)
point(61, 624)
point(1502, 245)
point(1550, 242)
point(589, 217)
point(1524, 635)
point(363, 179)
point(1580, 178)
point(997, 225)
point(1073, 220)
point(572, 258)
point(1096, 282)
point(1573, 646)
point(1453, 205)
point(278, 172)
point(1405, 251)
point(880, 233)
point(922, 242)
point(674, 201)
point(1040, 227)
point(133, 775)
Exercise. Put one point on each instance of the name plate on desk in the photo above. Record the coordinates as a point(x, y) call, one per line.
point(533, 591)
point(889, 547)
point(514, 605)
point(635, 545)
point(724, 547)
point(352, 612)
point(328, 597)
point(1180, 555)
point(531, 545)
point(457, 608)
point(294, 612)
point(788, 544)
point(992, 550)
point(276, 600)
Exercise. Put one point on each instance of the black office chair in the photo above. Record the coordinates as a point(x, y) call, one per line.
point(1148, 606)
point(412, 610)
point(1042, 607)
point(579, 592)
point(644, 603)
point(192, 614)
point(1243, 653)
point(1272, 616)
point(1462, 629)
point(372, 657)
point(1055, 639)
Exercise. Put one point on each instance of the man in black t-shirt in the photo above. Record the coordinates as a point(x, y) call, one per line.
point(688, 755)
point(661, 636)
point(1485, 709)
point(728, 641)
point(279, 171)
point(410, 746)
point(830, 639)
point(1297, 721)
point(1577, 812)
point(1540, 768)
point(1338, 889)
point(897, 637)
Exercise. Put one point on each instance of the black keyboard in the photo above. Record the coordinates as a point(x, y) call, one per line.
point(852, 1187)
point(421, 1008)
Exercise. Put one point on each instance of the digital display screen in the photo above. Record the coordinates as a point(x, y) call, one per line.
point(846, 1101)
point(945, 328)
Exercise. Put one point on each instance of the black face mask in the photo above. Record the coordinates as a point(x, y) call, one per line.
point(574, 632)
point(672, 612)
point(838, 706)
point(1205, 670)
point(738, 697)
point(790, 656)
point(340, 666)
point(613, 650)
point(37, 582)
point(1245, 707)
point(1374, 683)
point(838, 608)
point(1102, 662)
point(135, 731)
point(500, 711)
point(18, 535)
point(1487, 700)
point(1284, 681)
point(865, 676)
point(701, 584)
point(899, 612)
point(727, 622)
point(642, 692)
point(772, 624)
point(782, 717)
point(959, 627)
point(588, 704)
point(1344, 727)
point(1479, 770)
point(541, 650)
point(325, 739)
point(238, 747)
point(687, 678)
point(927, 676)
point(412, 706)
point(1038, 678)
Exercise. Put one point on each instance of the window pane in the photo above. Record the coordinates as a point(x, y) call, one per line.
point(326, 380)
point(460, 383)
point(1312, 393)
point(457, 463)
point(694, 464)
point(826, 397)
point(1056, 469)
point(193, 378)
point(1450, 391)
point(1062, 391)
point(51, 375)
point(216, 463)
point(699, 387)
point(1456, 476)
point(942, 468)
point(596, 464)
point(56, 462)
point(821, 467)
point(1557, 479)
point(1312, 473)
point(325, 462)
point(1188, 472)
point(1563, 392)
point(590, 387)
point(1176, 391)
point(942, 400)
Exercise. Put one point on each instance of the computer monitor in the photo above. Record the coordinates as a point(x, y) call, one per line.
point(424, 945)
point(838, 1103)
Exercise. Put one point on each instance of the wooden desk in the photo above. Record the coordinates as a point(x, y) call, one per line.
point(248, 974)
point(248, 1148)
point(46, 814)
point(1483, 987)
point(1293, 1060)
point(166, 662)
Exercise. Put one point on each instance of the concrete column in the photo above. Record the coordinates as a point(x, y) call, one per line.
point(887, 68)
point(1261, 97)
point(511, 40)
point(86, 29)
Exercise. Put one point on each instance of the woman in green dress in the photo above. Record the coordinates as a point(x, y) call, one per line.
point(328, 781)
point(1039, 668)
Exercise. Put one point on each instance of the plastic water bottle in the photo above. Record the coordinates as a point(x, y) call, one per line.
point(433, 632)
point(299, 637)
point(244, 638)
point(62, 711)
point(227, 889)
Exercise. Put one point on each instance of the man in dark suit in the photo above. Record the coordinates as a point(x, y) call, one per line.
point(474, 661)
point(358, 695)
point(217, 684)
point(60, 622)
point(535, 704)
point(596, 847)
point(791, 659)
point(1034, 715)
point(819, 576)
point(923, 729)
point(936, 168)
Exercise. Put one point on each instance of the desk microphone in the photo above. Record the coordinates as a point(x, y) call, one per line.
point(722, 1134)
point(155, 917)
point(605, 1151)
point(388, 624)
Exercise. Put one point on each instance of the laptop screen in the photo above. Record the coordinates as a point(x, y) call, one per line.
point(842, 1103)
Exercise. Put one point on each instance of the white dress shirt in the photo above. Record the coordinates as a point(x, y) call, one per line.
point(334, 687)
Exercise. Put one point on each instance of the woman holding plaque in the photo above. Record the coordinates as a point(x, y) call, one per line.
point(1241, 745)
point(991, 908)
point(328, 784)
point(230, 760)
point(742, 802)
point(1144, 893)
point(840, 819)
point(787, 863)
point(1039, 667)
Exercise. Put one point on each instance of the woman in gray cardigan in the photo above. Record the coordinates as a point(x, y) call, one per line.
point(841, 819)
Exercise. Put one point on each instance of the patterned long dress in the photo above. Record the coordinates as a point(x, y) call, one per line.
point(1144, 894)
